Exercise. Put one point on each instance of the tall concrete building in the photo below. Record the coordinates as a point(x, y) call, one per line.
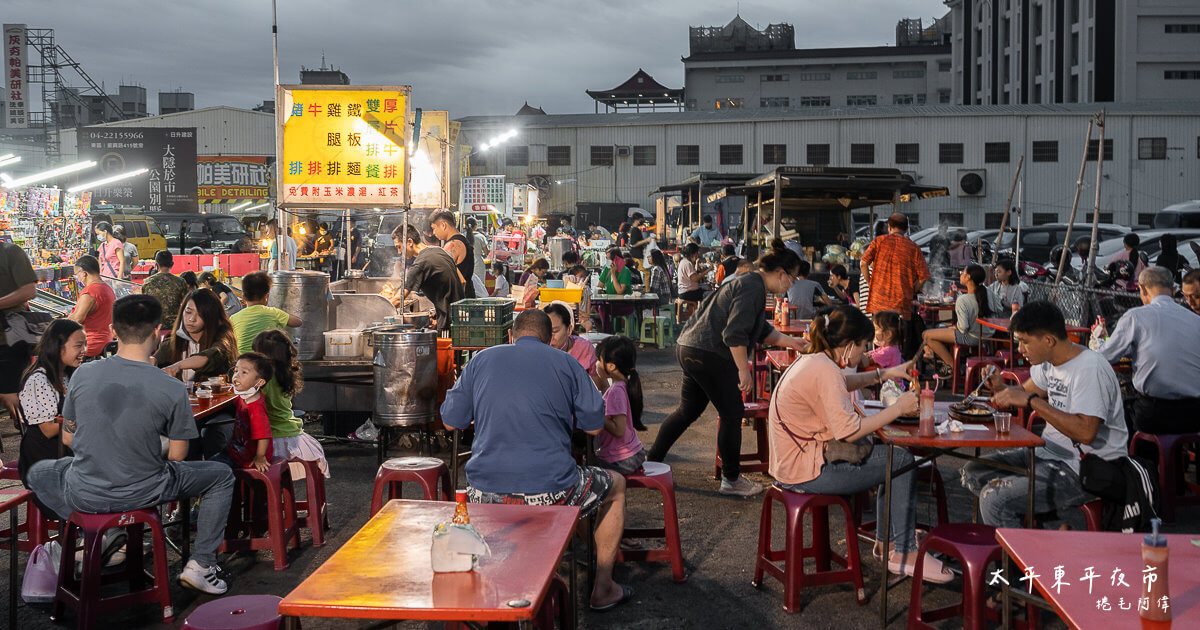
point(1074, 51)
point(133, 101)
point(175, 102)
point(738, 67)
point(323, 76)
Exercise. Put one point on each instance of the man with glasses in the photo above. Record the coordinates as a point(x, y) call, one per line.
point(1076, 393)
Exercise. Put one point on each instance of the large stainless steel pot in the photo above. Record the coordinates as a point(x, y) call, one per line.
point(559, 245)
point(304, 294)
point(406, 376)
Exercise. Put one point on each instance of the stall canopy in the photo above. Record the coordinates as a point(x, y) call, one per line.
point(815, 201)
point(695, 189)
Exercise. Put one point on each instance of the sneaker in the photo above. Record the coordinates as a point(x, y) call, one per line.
point(202, 578)
point(742, 487)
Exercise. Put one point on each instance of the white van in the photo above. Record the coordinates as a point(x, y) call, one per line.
point(1180, 215)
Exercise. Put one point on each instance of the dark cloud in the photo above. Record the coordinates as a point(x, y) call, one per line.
point(470, 57)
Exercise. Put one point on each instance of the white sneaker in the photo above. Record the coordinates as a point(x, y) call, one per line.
point(202, 578)
point(743, 487)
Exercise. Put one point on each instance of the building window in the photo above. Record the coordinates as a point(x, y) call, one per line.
point(950, 153)
point(1106, 217)
point(773, 78)
point(690, 104)
point(730, 103)
point(814, 76)
point(1181, 28)
point(814, 101)
point(1094, 148)
point(944, 66)
point(994, 152)
point(908, 74)
point(1152, 148)
point(602, 155)
point(774, 154)
point(943, 96)
point(920, 99)
point(1146, 218)
point(1042, 218)
point(908, 153)
point(953, 219)
point(902, 99)
point(868, 74)
point(645, 155)
point(558, 156)
point(687, 154)
point(862, 99)
point(862, 154)
point(1045, 151)
point(991, 220)
point(731, 154)
point(776, 101)
point(731, 78)
point(516, 156)
point(818, 154)
point(1181, 75)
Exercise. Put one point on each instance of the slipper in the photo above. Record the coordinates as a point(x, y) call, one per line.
point(935, 571)
point(626, 594)
point(631, 543)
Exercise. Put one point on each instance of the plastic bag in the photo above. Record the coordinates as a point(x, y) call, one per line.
point(366, 432)
point(41, 576)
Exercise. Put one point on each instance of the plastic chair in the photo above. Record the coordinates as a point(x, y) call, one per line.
point(425, 471)
point(1093, 512)
point(759, 460)
point(657, 476)
point(975, 367)
point(666, 330)
point(316, 516)
point(237, 612)
point(37, 528)
point(961, 352)
point(1171, 448)
point(83, 595)
point(975, 547)
point(791, 573)
point(625, 325)
point(245, 514)
point(649, 331)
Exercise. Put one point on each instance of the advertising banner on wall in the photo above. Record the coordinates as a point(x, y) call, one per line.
point(343, 146)
point(169, 153)
point(429, 181)
point(16, 88)
point(223, 178)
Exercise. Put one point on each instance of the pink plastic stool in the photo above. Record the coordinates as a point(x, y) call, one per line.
point(974, 546)
point(657, 476)
point(316, 518)
point(759, 460)
point(425, 471)
point(975, 369)
point(279, 504)
point(36, 527)
point(239, 612)
point(83, 595)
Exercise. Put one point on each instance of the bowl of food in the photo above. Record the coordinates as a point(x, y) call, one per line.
point(973, 412)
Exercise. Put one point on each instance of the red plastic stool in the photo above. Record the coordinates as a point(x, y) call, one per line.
point(657, 476)
point(37, 528)
point(83, 595)
point(239, 612)
point(975, 369)
point(316, 518)
point(974, 546)
point(1093, 512)
point(426, 471)
point(759, 460)
point(1171, 466)
point(245, 513)
point(792, 573)
point(971, 351)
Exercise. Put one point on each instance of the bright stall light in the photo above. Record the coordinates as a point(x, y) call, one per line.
point(240, 206)
point(9, 159)
point(108, 180)
point(261, 205)
point(44, 175)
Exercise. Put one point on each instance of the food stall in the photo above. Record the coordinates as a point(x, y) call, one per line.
point(54, 229)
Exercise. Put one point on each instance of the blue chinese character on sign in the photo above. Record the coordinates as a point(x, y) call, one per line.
point(296, 168)
point(298, 109)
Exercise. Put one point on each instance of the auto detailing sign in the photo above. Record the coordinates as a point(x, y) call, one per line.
point(221, 178)
point(343, 146)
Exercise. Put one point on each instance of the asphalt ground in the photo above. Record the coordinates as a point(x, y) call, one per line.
point(719, 536)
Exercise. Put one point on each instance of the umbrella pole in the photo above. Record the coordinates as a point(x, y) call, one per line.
point(1007, 209)
point(1062, 259)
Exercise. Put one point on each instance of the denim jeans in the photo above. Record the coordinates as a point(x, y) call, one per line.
point(212, 481)
point(1004, 496)
point(844, 479)
point(707, 377)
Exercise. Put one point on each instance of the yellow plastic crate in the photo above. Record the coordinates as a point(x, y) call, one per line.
point(570, 296)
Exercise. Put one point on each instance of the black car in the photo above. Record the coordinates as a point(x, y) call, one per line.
point(1038, 241)
point(206, 233)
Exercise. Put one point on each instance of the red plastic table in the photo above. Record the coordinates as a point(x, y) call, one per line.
point(10, 501)
point(220, 402)
point(1081, 606)
point(931, 311)
point(795, 327)
point(929, 448)
point(384, 571)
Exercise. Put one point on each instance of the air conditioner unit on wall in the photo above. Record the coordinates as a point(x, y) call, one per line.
point(972, 182)
point(623, 151)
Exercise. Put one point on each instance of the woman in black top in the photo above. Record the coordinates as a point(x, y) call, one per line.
point(1169, 257)
point(715, 351)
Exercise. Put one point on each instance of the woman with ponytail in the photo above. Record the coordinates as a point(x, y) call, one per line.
point(715, 349)
point(812, 408)
point(970, 306)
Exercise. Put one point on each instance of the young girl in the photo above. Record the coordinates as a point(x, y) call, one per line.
point(620, 449)
point(250, 445)
point(290, 440)
point(500, 271)
point(889, 337)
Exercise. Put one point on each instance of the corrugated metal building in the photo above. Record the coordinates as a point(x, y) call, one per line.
point(1152, 154)
point(220, 130)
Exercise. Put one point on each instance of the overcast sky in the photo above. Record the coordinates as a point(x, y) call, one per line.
point(469, 57)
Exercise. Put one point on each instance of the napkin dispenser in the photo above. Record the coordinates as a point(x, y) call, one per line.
point(456, 548)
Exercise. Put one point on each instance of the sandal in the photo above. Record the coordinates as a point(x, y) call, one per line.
point(626, 594)
point(934, 570)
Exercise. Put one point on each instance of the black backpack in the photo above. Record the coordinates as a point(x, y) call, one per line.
point(1128, 490)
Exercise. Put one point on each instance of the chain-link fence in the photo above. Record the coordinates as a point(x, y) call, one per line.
point(1081, 305)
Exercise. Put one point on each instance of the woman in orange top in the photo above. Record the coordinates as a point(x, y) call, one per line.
point(812, 406)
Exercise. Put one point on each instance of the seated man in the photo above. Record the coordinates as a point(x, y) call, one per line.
point(1076, 393)
point(1166, 373)
point(523, 426)
point(115, 415)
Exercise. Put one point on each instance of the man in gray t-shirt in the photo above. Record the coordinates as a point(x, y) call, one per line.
point(1076, 393)
point(115, 415)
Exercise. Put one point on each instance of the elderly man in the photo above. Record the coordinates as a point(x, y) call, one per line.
point(523, 426)
point(1160, 337)
point(894, 269)
point(1191, 290)
point(1076, 393)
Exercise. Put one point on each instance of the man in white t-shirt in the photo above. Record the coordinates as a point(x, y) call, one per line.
point(1075, 391)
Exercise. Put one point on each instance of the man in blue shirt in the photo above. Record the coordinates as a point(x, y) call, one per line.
point(706, 233)
point(526, 398)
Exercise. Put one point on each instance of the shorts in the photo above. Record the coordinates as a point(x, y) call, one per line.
point(591, 487)
point(964, 339)
point(626, 466)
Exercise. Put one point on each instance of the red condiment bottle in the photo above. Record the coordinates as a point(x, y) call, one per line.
point(460, 510)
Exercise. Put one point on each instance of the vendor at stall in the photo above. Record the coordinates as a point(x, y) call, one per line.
point(433, 272)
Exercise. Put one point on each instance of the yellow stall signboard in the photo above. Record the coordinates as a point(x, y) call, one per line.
point(343, 146)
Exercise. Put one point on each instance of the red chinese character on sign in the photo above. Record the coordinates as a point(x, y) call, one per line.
point(314, 168)
point(389, 171)
point(389, 105)
point(337, 192)
point(292, 191)
point(14, 39)
point(316, 191)
point(362, 191)
point(350, 191)
point(328, 191)
point(14, 74)
point(314, 109)
point(382, 191)
point(304, 191)
point(395, 191)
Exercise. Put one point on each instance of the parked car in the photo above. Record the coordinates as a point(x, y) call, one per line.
point(1180, 215)
point(143, 231)
point(1151, 244)
point(1038, 241)
point(207, 233)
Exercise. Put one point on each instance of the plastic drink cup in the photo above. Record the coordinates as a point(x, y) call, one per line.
point(1003, 422)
